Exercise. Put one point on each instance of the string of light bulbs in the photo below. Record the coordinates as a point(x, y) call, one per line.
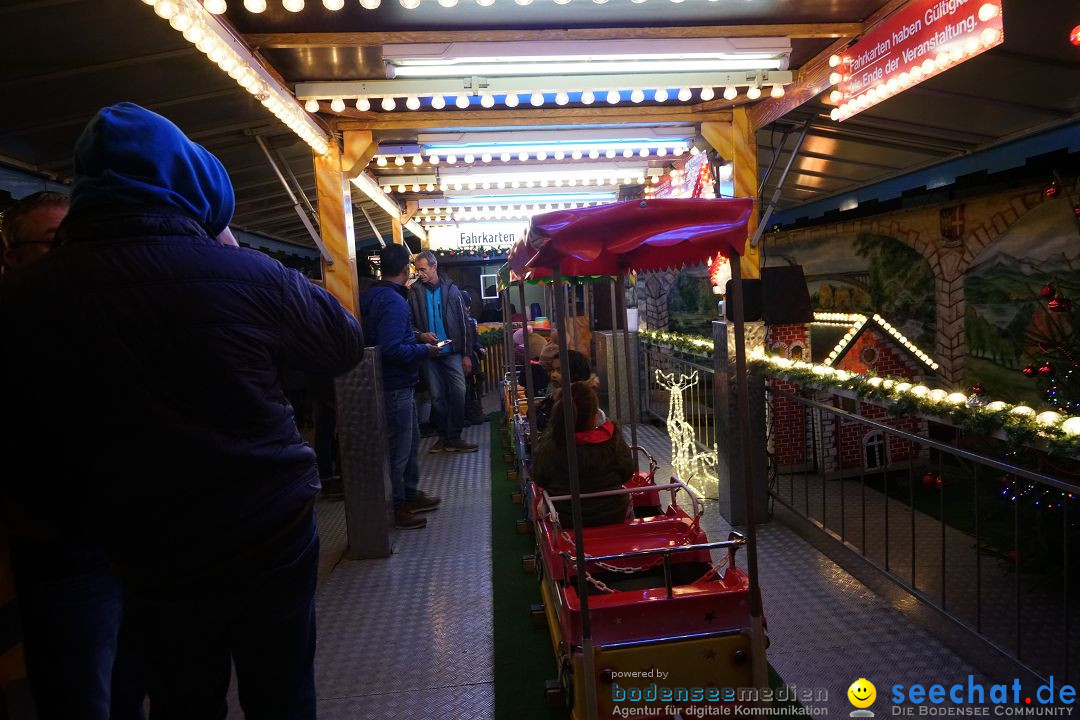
point(190, 19)
point(389, 184)
point(258, 6)
point(464, 100)
point(468, 157)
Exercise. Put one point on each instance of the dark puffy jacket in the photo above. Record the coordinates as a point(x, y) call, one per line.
point(604, 461)
point(389, 325)
point(142, 364)
point(454, 314)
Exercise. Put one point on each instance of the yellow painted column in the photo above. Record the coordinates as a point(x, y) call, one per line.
point(336, 227)
point(736, 144)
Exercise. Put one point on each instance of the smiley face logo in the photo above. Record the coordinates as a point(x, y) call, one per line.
point(862, 693)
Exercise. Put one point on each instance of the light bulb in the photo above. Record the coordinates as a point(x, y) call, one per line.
point(730, 93)
point(777, 91)
point(988, 12)
point(587, 97)
point(661, 152)
point(643, 152)
point(613, 95)
point(469, 158)
point(387, 189)
point(293, 5)
point(462, 101)
point(451, 158)
point(363, 104)
point(416, 187)
point(523, 156)
point(753, 93)
point(707, 93)
point(255, 6)
point(486, 157)
point(559, 155)
point(637, 95)
point(576, 155)
point(511, 100)
point(388, 104)
point(561, 98)
point(433, 159)
point(834, 114)
point(487, 100)
point(410, 4)
point(337, 105)
point(485, 3)
point(399, 161)
point(417, 160)
point(401, 188)
point(312, 105)
point(835, 78)
point(167, 8)
point(594, 153)
point(536, 99)
point(333, 5)
point(214, 7)
point(447, 3)
point(505, 157)
point(834, 61)
point(381, 161)
point(412, 102)
point(370, 4)
point(661, 95)
point(684, 94)
point(609, 154)
point(628, 152)
point(430, 187)
point(181, 21)
point(438, 102)
point(836, 96)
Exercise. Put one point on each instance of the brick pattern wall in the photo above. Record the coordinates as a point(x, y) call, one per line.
point(845, 443)
point(873, 351)
point(790, 430)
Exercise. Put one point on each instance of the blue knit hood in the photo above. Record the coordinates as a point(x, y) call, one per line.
point(128, 155)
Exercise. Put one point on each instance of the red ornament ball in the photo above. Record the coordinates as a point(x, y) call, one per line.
point(1076, 210)
point(1047, 291)
point(1074, 36)
point(1052, 190)
point(1060, 305)
point(1029, 371)
point(977, 389)
point(929, 480)
point(1046, 369)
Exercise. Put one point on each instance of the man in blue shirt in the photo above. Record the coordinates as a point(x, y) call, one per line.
point(386, 317)
point(438, 312)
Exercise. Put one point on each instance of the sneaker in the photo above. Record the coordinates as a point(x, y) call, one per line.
point(422, 503)
point(459, 445)
point(438, 446)
point(404, 519)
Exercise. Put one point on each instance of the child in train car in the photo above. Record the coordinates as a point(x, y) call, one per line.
point(580, 371)
point(604, 460)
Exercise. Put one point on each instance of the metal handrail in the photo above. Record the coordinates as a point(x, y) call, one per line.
point(652, 461)
point(967, 455)
point(672, 487)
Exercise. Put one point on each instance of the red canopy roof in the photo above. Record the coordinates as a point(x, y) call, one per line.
point(518, 260)
point(635, 235)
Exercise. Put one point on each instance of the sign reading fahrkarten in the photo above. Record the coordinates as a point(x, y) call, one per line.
point(476, 235)
point(922, 39)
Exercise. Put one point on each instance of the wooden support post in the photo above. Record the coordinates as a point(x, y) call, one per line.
point(737, 145)
point(360, 148)
point(334, 195)
point(395, 226)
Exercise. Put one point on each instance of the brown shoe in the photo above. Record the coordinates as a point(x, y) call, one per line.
point(404, 519)
point(438, 446)
point(422, 503)
point(459, 445)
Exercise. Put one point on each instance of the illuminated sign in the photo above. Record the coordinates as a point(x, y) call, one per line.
point(924, 38)
point(476, 235)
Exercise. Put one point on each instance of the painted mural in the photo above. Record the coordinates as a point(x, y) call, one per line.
point(864, 273)
point(1007, 318)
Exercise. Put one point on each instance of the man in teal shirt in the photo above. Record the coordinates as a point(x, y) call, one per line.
point(439, 314)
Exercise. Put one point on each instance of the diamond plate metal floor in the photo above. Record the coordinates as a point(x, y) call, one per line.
point(411, 635)
point(826, 628)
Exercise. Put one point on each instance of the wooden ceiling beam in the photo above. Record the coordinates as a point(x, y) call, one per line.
point(540, 117)
point(376, 38)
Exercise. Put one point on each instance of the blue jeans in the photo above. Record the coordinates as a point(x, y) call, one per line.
point(402, 443)
point(260, 613)
point(82, 660)
point(446, 381)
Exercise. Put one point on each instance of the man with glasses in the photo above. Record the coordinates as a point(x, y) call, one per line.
point(29, 227)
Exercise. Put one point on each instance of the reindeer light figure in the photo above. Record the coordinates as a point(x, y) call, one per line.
point(692, 467)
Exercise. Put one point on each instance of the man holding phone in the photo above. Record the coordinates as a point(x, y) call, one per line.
point(438, 313)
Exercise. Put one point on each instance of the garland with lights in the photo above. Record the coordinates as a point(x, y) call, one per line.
point(1020, 425)
point(484, 253)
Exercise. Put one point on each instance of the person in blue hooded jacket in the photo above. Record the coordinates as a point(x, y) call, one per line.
point(148, 365)
point(389, 325)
